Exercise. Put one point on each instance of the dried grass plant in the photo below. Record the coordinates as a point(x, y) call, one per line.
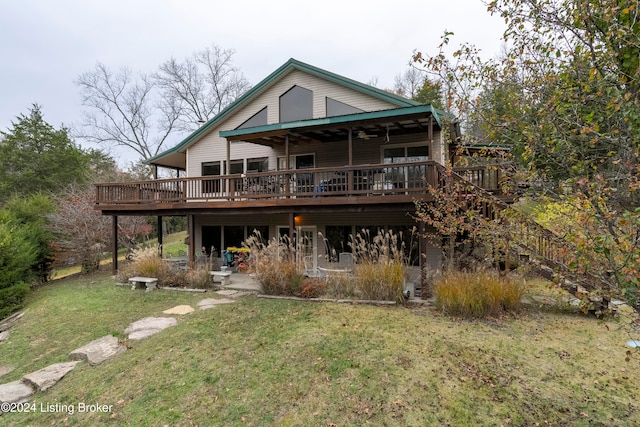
point(146, 262)
point(478, 294)
point(275, 265)
point(380, 265)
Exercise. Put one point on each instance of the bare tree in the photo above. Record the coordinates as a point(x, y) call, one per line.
point(84, 235)
point(409, 83)
point(142, 111)
point(201, 86)
point(122, 111)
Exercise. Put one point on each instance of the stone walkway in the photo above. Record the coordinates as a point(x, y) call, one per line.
point(102, 349)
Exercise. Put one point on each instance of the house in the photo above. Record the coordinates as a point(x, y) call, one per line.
point(304, 152)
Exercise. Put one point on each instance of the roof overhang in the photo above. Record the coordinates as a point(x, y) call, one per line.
point(398, 121)
point(172, 160)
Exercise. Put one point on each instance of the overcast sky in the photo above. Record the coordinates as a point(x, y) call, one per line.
point(46, 44)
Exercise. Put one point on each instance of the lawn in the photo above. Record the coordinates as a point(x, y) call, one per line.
point(289, 363)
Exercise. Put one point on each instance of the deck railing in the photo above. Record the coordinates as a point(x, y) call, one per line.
point(410, 178)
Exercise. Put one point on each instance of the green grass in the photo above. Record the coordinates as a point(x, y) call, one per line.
point(288, 363)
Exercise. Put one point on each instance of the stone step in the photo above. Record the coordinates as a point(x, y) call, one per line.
point(99, 350)
point(47, 377)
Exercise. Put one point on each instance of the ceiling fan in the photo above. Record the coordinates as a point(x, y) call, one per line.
point(364, 135)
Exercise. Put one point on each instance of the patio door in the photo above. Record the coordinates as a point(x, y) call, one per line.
point(307, 246)
point(302, 182)
point(407, 176)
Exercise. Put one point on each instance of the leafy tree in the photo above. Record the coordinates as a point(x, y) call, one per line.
point(430, 93)
point(26, 251)
point(566, 94)
point(35, 157)
point(31, 213)
point(17, 254)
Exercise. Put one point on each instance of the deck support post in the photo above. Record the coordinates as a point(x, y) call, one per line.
point(114, 248)
point(191, 222)
point(160, 236)
point(425, 287)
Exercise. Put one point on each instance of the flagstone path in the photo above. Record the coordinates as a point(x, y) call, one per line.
point(100, 350)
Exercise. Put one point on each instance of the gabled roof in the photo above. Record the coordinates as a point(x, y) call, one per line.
point(287, 67)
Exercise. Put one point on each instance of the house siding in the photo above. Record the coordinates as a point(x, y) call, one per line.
point(212, 147)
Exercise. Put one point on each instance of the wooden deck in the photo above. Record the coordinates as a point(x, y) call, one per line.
point(349, 185)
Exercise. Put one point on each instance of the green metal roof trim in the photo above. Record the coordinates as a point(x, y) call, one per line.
point(283, 69)
point(370, 115)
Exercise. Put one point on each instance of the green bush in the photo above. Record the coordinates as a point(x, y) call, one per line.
point(18, 255)
point(12, 298)
point(477, 294)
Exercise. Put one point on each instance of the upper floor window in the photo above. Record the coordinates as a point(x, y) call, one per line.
point(258, 164)
point(337, 108)
point(296, 104)
point(258, 119)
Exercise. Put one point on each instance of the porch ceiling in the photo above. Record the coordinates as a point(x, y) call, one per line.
point(377, 124)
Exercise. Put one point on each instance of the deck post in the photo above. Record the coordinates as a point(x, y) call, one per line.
point(350, 186)
point(287, 177)
point(160, 235)
point(227, 171)
point(425, 288)
point(191, 223)
point(114, 247)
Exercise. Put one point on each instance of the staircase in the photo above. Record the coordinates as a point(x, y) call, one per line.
point(552, 256)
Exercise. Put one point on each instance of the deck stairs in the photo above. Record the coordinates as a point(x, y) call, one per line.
point(550, 255)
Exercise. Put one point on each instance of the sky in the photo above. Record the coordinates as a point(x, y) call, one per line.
point(45, 45)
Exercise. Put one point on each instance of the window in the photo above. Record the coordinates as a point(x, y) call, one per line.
point(296, 104)
point(211, 238)
point(236, 167)
point(211, 168)
point(302, 182)
point(299, 161)
point(260, 231)
point(337, 108)
point(211, 185)
point(233, 236)
point(258, 119)
point(258, 164)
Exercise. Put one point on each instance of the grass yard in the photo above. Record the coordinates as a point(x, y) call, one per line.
point(265, 362)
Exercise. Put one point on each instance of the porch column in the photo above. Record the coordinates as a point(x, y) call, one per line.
point(114, 246)
point(350, 173)
point(227, 170)
point(191, 223)
point(287, 177)
point(425, 287)
point(160, 235)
